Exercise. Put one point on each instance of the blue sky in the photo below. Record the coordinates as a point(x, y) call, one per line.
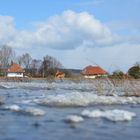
point(41, 9)
point(76, 32)
point(26, 11)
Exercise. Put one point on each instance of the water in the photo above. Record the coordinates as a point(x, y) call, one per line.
point(23, 125)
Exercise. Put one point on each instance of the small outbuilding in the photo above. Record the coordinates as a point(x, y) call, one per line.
point(15, 71)
point(93, 72)
point(59, 75)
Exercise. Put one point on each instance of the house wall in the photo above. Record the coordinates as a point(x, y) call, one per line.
point(94, 76)
point(15, 75)
point(90, 76)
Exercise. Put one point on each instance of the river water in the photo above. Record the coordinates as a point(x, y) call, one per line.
point(58, 100)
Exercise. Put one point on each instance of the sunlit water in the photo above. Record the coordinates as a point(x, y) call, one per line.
point(21, 125)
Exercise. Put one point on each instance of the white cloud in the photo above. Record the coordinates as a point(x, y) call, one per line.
point(67, 31)
point(7, 29)
point(71, 30)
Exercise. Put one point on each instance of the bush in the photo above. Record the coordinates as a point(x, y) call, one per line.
point(134, 72)
point(118, 74)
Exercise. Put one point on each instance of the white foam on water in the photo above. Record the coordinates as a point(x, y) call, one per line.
point(74, 119)
point(112, 115)
point(47, 85)
point(13, 108)
point(34, 111)
point(24, 101)
point(100, 87)
point(65, 85)
point(28, 110)
point(119, 115)
point(85, 99)
point(69, 93)
point(91, 114)
point(6, 86)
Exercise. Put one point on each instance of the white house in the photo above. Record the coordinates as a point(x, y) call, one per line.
point(15, 70)
point(93, 72)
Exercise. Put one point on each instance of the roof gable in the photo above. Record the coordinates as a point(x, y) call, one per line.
point(93, 70)
point(15, 68)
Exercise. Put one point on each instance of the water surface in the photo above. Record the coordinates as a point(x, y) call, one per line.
point(51, 126)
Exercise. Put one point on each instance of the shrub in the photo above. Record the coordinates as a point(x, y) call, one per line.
point(134, 72)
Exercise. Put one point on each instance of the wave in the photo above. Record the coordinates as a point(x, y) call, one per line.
point(100, 87)
point(112, 115)
point(84, 99)
point(48, 86)
point(28, 110)
point(74, 119)
point(6, 86)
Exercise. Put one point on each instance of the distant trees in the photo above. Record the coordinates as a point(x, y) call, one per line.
point(35, 64)
point(25, 60)
point(7, 55)
point(49, 66)
point(134, 71)
point(33, 67)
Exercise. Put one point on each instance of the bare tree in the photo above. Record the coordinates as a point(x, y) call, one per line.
point(19, 60)
point(6, 55)
point(49, 65)
point(51, 62)
point(35, 67)
point(35, 64)
point(25, 60)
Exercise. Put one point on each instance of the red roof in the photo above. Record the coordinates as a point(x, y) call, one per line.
point(93, 70)
point(15, 68)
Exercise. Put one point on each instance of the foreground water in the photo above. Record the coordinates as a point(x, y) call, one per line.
point(39, 110)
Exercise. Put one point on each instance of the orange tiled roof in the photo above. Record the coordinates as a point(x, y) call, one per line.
point(93, 70)
point(15, 68)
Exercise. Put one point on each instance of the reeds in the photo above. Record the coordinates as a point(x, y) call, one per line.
point(117, 87)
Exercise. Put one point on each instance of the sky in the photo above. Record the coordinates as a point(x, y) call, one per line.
point(76, 32)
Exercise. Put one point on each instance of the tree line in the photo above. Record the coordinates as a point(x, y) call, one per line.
point(133, 72)
point(48, 65)
point(33, 67)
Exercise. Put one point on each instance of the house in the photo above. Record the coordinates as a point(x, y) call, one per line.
point(59, 75)
point(93, 72)
point(15, 70)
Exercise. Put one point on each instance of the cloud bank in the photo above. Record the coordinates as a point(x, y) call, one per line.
point(67, 31)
